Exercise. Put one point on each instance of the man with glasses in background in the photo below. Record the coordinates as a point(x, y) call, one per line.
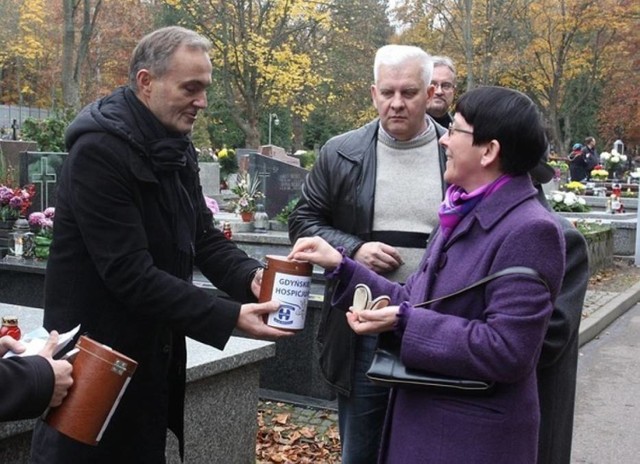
point(444, 81)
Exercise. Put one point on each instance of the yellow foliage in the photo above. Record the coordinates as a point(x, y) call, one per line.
point(29, 45)
point(261, 49)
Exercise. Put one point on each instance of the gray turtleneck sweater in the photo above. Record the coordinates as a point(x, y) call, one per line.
point(408, 191)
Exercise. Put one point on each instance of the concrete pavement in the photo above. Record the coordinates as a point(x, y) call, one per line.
point(607, 416)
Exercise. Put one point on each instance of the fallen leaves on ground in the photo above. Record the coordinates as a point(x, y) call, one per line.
point(281, 441)
point(618, 277)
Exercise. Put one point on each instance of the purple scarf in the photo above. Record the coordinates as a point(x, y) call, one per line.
point(457, 203)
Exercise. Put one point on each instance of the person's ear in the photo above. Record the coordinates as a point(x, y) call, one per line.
point(491, 155)
point(374, 94)
point(143, 81)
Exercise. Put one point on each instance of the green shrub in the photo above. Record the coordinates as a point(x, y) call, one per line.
point(283, 216)
point(47, 133)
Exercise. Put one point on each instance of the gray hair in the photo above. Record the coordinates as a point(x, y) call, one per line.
point(154, 51)
point(396, 55)
point(444, 61)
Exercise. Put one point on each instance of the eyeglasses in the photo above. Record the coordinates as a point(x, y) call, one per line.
point(446, 86)
point(452, 129)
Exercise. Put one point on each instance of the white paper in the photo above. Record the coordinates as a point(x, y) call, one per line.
point(35, 341)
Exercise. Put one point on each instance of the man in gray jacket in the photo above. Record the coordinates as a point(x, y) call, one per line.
point(375, 192)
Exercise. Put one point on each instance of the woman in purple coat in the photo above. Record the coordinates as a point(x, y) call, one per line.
point(490, 220)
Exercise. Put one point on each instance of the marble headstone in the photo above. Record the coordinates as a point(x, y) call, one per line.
point(280, 181)
point(42, 169)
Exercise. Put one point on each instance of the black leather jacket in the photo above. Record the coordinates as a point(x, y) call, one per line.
point(337, 205)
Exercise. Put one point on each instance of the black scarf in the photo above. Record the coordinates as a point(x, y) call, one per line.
point(171, 156)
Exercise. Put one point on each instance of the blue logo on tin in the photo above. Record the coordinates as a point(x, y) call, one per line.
point(285, 313)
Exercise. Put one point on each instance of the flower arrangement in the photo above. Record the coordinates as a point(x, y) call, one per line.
point(568, 202)
point(42, 225)
point(14, 202)
point(613, 161)
point(599, 174)
point(247, 192)
point(575, 187)
point(228, 162)
point(560, 168)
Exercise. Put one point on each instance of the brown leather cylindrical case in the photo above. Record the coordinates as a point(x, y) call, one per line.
point(100, 378)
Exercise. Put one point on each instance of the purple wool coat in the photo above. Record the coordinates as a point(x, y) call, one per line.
point(494, 333)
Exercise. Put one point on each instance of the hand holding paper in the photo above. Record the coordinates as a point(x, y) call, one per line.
point(35, 341)
point(61, 369)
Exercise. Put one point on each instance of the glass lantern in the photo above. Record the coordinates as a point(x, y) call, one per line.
point(20, 240)
point(260, 219)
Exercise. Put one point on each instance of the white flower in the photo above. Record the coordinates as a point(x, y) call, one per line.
point(557, 197)
point(623, 158)
point(615, 159)
point(570, 199)
point(582, 201)
point(614, 152)
point(604, 156)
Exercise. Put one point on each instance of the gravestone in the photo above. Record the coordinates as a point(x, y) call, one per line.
point(280, 181)
point(210, 178)
point(10, 151)
point(273, 151)
point(41, 169)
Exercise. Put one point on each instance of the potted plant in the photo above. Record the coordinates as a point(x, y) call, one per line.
point(599, 174)
point(247, 193)
point(568, 202)
point(614, 162)
point(14, 203)
point(228, 165)
point(42, 225)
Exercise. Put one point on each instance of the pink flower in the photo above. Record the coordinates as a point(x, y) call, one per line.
point(36, 219)
point(212, 205)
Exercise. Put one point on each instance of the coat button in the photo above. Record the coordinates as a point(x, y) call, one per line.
point(166, 348)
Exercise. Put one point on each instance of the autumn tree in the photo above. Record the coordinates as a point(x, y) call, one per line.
point(24, 48)
point(93, 40)
point(567, 42)
point(554, 50)
point(619, 109)
point(358, 29)
point(480, 36)
point(80, 17)
point(259, 53)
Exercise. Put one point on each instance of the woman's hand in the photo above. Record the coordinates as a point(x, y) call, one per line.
point(316, 251)
point(374, 321)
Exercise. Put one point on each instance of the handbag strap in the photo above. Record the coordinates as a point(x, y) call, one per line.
point(510, 270)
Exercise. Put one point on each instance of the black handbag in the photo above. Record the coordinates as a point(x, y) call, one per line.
point(388, 370)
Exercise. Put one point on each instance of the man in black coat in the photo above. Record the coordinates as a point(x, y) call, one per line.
point(131, 222)
point(30, 384)
point(558, 363)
